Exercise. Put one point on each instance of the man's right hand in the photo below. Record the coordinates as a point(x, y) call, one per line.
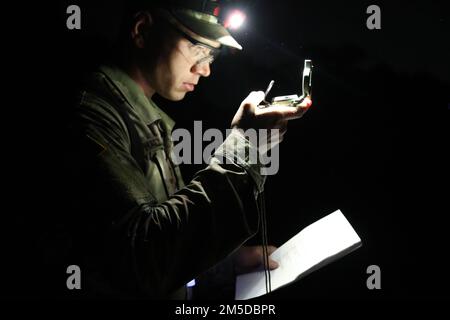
point(249, 115)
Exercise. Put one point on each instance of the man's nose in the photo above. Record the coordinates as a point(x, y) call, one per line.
point(202, 69)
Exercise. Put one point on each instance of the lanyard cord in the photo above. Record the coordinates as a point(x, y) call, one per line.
point(262, 210)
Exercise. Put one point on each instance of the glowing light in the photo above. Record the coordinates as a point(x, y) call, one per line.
point(235, 19)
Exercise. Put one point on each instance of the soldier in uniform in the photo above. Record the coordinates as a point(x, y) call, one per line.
point(139, 230)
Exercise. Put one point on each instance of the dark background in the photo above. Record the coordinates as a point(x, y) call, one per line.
point(372, 145)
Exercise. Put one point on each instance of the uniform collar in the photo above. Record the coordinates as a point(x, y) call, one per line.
point(147, 110)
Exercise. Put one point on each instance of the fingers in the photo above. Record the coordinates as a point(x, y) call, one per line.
point(273, 264)
point(304, 106)
point(255, 253)
point(286, 112)
point(249, 105)
point(306, 103)
point(271, 249)
point(246, 112)
point(250, 258)
point(255, 97)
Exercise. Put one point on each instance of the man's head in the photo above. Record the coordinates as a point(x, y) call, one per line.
point(171, 46)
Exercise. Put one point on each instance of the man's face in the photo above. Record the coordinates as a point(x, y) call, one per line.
point(176, 71)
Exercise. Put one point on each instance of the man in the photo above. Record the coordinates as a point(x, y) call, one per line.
point(138, 230)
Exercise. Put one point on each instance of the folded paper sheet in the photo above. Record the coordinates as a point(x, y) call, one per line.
point(313, 247)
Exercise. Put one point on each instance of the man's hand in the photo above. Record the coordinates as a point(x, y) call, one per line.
point(249, 115)
point(249, 258)
point(272, 117)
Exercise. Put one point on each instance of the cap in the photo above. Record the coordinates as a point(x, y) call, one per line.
point(201, 18)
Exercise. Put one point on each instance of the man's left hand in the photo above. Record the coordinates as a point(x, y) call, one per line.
point(249, 258)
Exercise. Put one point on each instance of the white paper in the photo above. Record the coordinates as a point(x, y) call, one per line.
point(313, 247)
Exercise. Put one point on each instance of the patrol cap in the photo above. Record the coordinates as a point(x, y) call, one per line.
point(202, 18)
point(198, 19)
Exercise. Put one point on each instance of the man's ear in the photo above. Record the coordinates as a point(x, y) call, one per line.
point(140, 31)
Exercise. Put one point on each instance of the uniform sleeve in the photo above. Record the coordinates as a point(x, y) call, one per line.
point(158, 247)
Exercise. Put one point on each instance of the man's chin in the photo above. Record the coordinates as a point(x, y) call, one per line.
point(175, 96)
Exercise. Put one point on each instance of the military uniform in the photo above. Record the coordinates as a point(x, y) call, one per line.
point(137, 229)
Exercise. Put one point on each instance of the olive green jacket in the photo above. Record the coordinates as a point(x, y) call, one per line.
point(138, 230)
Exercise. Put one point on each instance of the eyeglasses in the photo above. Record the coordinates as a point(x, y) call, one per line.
point(199, 52)
point(202, 53)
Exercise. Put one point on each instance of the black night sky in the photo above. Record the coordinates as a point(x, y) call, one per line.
point(372, 145)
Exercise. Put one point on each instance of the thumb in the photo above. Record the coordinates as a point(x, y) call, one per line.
point(273, 264)
point(254, 98)
point(251, 102)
